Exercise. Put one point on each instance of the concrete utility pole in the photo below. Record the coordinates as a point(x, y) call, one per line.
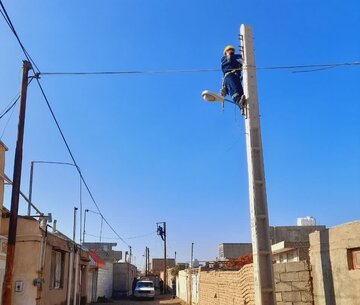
point(10, 254)
point(263, 269)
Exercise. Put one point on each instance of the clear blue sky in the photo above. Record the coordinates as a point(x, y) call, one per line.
point(151, 150)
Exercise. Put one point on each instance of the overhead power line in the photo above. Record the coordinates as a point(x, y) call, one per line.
point(12, 104)
point(37, 73)
point(314, 67)
point(12, 28)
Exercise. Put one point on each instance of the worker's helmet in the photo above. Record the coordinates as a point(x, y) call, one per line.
point(229, 47)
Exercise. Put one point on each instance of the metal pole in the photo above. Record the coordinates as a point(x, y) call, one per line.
point(10, 254)
point(30, 186)
point(130, 254)
point(101, 225)
point(81, 207)
point(84, 224)
point(71, 261)
point(262, 257)
point(74, 224)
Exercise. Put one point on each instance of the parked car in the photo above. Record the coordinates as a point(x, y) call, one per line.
point(144, 289)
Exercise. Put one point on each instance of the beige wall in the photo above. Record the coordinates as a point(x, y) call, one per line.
point(292, 285)
point(26, 258)
point(27, 263)
point(227, 287)
point(333, 282)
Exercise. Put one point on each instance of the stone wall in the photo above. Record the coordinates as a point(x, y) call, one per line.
point(293, 283)
point(227, 287)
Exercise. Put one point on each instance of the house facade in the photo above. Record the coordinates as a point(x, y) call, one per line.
point(42, 278)
point(335, 262)
point(101, 269)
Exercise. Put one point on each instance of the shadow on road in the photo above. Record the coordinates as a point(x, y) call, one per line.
point(159, 300)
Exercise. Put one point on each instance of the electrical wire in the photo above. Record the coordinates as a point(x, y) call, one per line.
point(12, 28)
point(115, 238)
point(9, 107)
point(7, 123)
point(168, 71)
point(12, 104)
point(74, 161)
point(141, 236)
point(27, 55)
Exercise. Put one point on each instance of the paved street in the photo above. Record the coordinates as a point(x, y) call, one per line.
point(159, 300)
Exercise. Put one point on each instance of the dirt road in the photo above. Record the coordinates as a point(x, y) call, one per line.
point(159, 300)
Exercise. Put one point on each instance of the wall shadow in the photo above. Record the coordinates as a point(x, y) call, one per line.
point(326, 268)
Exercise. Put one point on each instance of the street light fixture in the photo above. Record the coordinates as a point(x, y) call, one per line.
point(54, 163)
point(101, 224)
point(211, 97)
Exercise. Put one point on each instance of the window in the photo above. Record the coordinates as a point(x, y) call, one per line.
point(57, 269)
point(354, 258)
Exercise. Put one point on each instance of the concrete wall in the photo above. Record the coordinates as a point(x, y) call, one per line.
point(183, 289)
point(234, 250)
point(157, 264)
point(293, 283)
point(105, 281)
point(124, 274)
point(182, 285)
point(292, 233)
point(334, 281)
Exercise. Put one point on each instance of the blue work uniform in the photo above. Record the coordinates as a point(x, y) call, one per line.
point(231, 65)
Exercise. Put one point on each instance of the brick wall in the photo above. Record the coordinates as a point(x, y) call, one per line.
point(293, 283)
point(227, 287)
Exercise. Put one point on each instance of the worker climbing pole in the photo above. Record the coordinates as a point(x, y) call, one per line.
point(231, 65)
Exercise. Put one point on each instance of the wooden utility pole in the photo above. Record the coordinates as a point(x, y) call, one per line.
point(146, 261)
point(161, 230)
point(165, 261)
point(262, 256)
point(10, 254)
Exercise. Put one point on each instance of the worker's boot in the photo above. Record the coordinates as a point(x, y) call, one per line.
point(242, 104)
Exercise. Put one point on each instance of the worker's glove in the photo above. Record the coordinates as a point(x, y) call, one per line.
point(223, 91)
